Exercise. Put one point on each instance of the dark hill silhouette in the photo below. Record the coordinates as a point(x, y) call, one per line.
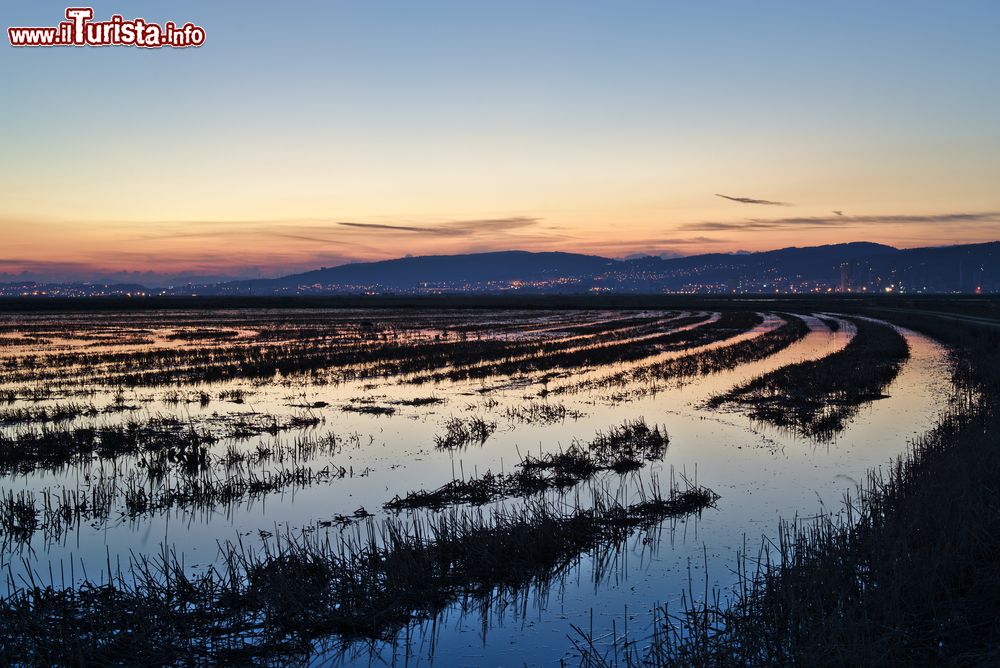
point(965, 268)
point(853, 265)
point(410, 272)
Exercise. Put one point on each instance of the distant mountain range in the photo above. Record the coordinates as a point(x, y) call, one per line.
point(858, 266)
point(849, 266)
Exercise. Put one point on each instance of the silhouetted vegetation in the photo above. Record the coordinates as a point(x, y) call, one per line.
point(541, 412)
point(722, 358)
point(276, 602)
point(622, 449)
point(160, 481)
point(573, 354)
point(51, 447)
point(55, 447)
point(460, 433)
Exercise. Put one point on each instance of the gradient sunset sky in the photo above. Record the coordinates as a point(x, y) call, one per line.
point(316, 133)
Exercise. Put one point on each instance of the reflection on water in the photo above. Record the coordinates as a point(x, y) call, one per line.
point(762, 473)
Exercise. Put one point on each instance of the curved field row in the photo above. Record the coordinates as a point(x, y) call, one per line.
point(606, 350)
point(817, 398)
point(355, 352)
point(727, 330)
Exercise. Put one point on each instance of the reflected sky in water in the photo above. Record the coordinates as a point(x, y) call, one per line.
point(761, 473)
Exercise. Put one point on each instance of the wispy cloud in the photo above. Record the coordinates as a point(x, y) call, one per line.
point(751, 200)
point(454, 228)
point(378, 226)
point(272, 246)
point(16, 264)
point(841, 220)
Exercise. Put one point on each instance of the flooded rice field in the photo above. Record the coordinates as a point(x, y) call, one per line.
point(421, 487)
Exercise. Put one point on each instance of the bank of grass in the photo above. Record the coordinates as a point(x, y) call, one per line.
point(909, 577)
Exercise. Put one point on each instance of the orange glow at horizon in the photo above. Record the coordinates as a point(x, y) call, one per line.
point(273, 247)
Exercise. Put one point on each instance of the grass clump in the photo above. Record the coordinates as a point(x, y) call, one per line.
point(369, 409)
point(18, 516)
point(460, 433)
point(623, 448)
point(626, 446)
point(541, 412)
point(53, 447)
point(55, 413)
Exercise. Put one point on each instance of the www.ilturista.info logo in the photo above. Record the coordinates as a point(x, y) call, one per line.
point(79, 29)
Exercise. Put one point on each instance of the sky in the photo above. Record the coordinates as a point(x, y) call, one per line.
point(308, 134)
